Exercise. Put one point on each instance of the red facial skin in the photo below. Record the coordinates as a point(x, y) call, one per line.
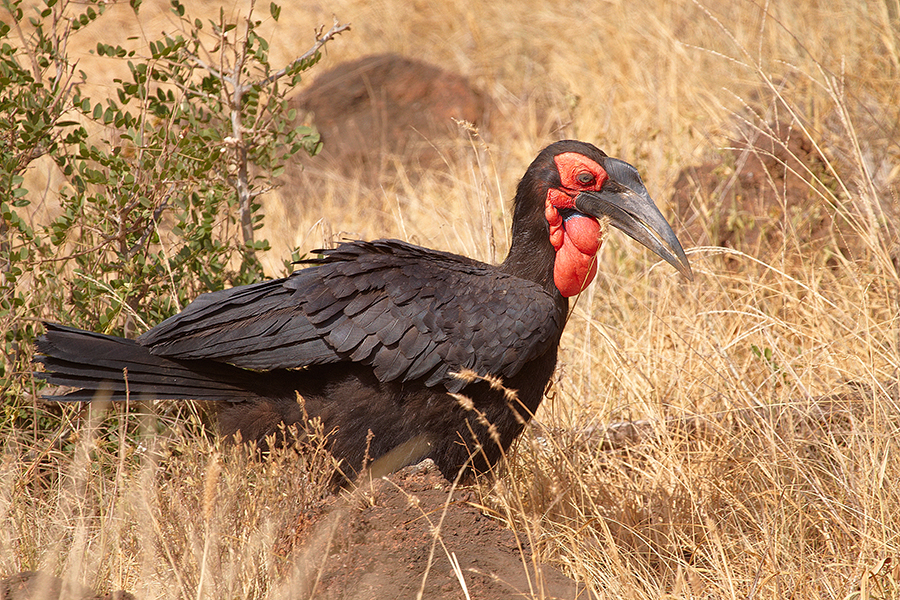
point(577, 239)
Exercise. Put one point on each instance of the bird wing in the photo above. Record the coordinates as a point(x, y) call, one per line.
point(407, 311)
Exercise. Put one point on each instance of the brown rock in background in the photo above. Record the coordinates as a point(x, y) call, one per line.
point(382, 108)
point(769, 196)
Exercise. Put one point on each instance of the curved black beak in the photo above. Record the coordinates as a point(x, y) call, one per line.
point(625, 201)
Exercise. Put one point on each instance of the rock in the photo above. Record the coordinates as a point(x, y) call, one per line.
point(386, 107)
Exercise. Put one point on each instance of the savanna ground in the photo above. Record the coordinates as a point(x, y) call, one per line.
point(762, 459)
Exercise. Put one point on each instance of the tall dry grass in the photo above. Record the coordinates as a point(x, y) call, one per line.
point(766, 460)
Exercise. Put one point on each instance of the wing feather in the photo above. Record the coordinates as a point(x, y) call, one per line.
point(406, 311)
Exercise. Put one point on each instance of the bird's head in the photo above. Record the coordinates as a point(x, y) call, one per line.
point(579, 190)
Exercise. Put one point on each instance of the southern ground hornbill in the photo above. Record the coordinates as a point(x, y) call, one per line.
point(371, 337)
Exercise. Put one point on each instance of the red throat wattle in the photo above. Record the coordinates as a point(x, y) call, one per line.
point(576, 241)
point(577, 238)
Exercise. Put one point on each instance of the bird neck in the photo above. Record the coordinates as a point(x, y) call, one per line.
point(531, 257)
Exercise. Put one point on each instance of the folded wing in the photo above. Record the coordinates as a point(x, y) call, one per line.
point(407, 311)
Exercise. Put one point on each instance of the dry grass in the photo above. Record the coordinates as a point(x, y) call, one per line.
point(769, 499)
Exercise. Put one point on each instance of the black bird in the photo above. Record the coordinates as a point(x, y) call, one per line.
point(374, 337)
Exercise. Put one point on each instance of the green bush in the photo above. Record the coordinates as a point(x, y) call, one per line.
point(161, 179)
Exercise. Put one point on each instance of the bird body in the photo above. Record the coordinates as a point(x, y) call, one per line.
point(388, 343)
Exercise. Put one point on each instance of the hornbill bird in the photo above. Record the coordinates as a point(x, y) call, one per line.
point(384, 341)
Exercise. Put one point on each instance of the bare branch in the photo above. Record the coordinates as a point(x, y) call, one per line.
point(206, 67)
point(321, 40)
point(237, 132)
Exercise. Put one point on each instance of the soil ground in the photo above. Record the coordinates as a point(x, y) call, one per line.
point(380, 543)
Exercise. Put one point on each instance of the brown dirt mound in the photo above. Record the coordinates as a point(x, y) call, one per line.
point(378, 545)
point(35, 585)
point(766, 197)
point(379, 108)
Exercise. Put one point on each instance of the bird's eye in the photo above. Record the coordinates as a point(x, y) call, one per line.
point(586, 178)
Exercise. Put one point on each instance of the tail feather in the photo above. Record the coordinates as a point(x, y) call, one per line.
point(94, 361)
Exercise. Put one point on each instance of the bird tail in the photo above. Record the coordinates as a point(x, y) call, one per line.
point(92, 362)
